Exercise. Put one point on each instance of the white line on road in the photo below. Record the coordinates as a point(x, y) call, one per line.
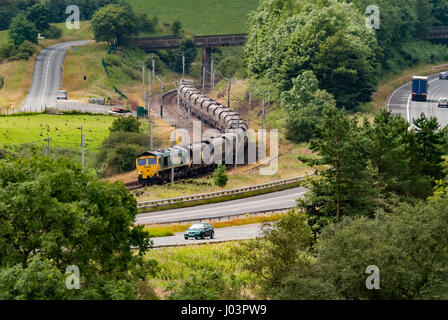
point(46, 77)
point(171, 215)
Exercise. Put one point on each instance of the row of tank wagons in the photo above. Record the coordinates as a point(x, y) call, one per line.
point(208, 110)
point(220, 149)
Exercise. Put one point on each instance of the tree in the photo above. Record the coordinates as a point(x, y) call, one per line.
point(127, 124)
point(305, 106)
point(408, 246)
point(343, 184)
point(188, 49)
point(67, 217)
point(119, 151)
point(115, 24)
point(21, 29)
point(429, 147)
point(326, 37)
point(40, 16)
point(284, 250)
point(176, 28)
point(220, 176)
point(8, 10)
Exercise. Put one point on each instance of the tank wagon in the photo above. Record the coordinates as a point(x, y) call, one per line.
point(155, 166)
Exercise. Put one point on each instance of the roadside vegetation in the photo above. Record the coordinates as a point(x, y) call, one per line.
point(170, 229)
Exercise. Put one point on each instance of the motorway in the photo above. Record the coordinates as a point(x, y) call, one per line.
point(47, 76)
point(250, 231)
point(270, 201)
point(401, 103)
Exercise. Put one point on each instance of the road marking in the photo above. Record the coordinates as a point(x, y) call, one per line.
point(171, 215)
point(46, 77)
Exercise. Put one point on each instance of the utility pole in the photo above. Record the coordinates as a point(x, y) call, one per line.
point(203, 79)
point(228, 92)
point(183, 65)
point(178, 102)
point(172, 152)
point(263, 111)
point(250, 106)
point(47, 151)
point(153, 70)
point(161, 97)
point(151, 145)
point(143, 82)
point(212, 79)
point(82, 147)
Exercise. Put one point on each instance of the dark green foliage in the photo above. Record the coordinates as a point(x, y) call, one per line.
point(176, 28)
point(21, 29)
point(361, 168)
point(119, 151)
point(115, 24)
point(329, 38)
point(126, 124)
point(232, 66)
point(284, 250)
point(69, 218)
point(208, 285)
point(52, 33)
point(345, 187)
point(305, 106)
point(2, 81)
point(145, 23)
point(40, 16)
point(429, 146)
point(8, 10)
point(220, 176)
point(408, 246)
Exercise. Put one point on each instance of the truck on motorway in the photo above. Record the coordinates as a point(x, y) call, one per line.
point(420, 87)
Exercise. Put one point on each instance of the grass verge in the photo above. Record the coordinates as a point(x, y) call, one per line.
point(169, 230)
point(176, 265)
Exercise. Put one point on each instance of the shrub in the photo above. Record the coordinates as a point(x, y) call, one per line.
point(220, 176)
point(52, 32)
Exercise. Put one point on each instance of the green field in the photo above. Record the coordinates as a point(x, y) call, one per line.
point(3, 37)
point(62, 130)
point(200, 17)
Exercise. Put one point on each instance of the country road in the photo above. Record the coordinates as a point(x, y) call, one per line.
point(275, 200)
point(401, 103)
point(47, 76)
point(250, 231)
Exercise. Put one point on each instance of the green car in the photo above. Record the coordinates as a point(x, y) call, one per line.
point(200, 230)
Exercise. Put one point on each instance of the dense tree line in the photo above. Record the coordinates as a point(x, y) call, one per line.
point(379, 197)
point(54, 8)
point(52, 216)
point(330, 39)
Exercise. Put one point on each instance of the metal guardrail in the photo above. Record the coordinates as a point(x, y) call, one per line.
point(227, 216)
point(156, 203)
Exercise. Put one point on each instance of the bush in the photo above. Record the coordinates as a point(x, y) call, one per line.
point(52, 32)
point(220, 176)
point(2, 81)
point(24, 51)
point(112, 60)
point(119, 151)
point(128, 124)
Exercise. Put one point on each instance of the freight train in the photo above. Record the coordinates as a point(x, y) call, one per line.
point(155, 166)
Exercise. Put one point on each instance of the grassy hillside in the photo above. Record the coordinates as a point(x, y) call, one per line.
point(200, 17)
point(61, 129)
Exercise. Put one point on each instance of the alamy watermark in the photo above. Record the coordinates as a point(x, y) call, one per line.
point(73, 279)
point(373, 20)
point(73, 21)
point(373, 281)
point(234, 147)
